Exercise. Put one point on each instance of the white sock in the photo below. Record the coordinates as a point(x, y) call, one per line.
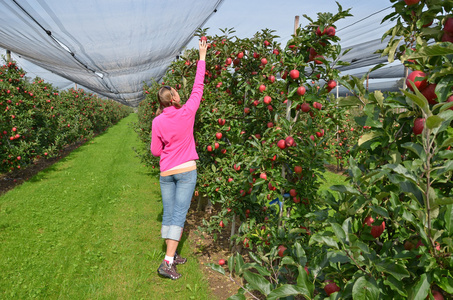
point(169, 259)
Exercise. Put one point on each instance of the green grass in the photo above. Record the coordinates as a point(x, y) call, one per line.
point(88, 227)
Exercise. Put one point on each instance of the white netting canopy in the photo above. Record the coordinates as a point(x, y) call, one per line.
point(108, 46)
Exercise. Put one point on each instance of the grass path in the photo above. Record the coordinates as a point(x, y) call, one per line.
point(88, 227)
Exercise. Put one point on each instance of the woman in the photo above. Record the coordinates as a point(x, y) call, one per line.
point(172, 140)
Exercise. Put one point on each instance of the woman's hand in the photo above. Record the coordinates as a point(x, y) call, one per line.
point(203, 49)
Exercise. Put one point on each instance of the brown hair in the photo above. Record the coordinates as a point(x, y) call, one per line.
point(165, 97)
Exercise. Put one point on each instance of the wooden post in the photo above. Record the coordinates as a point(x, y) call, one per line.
point(76, 87)
point(288, 117)
point(8, 55)
point(338, 128)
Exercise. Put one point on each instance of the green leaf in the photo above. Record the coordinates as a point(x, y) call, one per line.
point(438, 49)
point(262, 270)
point(339, 232)
point(416, 148)
point(390, 267)
point(326, 240)
point(380, 211)
point(303, 282)
point(446, 283)
point(399, 169)
point(368, 137)
point(255, 257)
point(300, 253)
point(239, 263)
point(216, 267)
point(420, 290)
point(344, 189)
point(287, 290)
point(258, 282)
point(379, 96)
point(444, 201)
point(434, 122)
point(237, 297)
point(396, 285)
point(447, 142)
point(364, 289)
point(420, 101)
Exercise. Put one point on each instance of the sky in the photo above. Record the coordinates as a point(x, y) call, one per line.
point(249, 17)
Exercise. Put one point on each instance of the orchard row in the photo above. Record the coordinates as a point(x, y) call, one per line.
point(269, 123)
point(38, 121)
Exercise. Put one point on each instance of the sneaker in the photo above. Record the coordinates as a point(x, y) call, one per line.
point(178, 260)
point(168, 271)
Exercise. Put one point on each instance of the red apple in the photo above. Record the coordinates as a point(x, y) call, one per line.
point(330, 31)
point(284, 74)
point(228, 61)
point(317, 105)
point(263, 176)
point(281, 144)
point(240, 55)
point(221, 262)
point(411, 2)
point(294, 74)
point(281, 250)
point(289, 141)
point(448, 27)
point(376, 231)
point(221, 122)
point(331, 84)
point(368, 221)
point(264, 61)
point(305, 107)
point(319, 33)
point(317, 61)
point(408, 245)
point(301, 90)
point(298, 169)
point(272, 78)
point(218, 135)
point(437, 295)
point(418, 78)
point(293, 192)
point(331, 288)
point(203, 38)
point(267, 100)
point(419, 124)
point(221, 224)
point(209, 148)
point(262, 88)
point(429, 93)
point(447, 37)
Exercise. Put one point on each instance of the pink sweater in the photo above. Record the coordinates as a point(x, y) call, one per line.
point(172, 131)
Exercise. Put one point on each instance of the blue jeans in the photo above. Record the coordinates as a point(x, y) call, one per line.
point(177, 191)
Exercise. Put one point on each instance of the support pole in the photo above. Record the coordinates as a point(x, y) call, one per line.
point(8, 55)
point(288, 117)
